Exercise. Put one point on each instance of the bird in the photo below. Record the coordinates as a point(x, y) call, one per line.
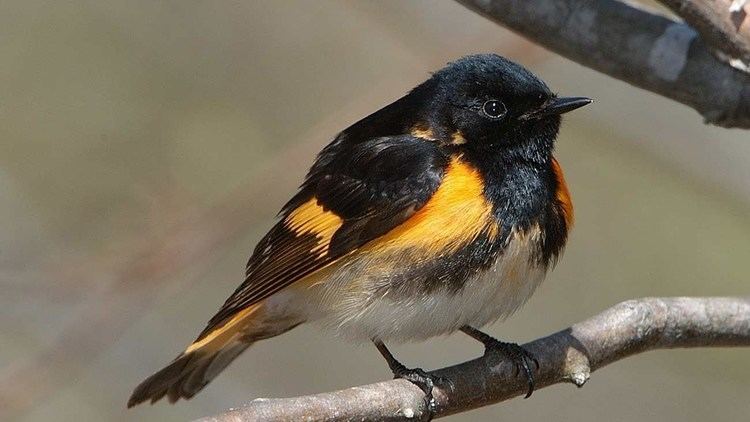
point(441, 212)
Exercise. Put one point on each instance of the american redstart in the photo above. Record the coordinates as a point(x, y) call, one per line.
point(440, 212)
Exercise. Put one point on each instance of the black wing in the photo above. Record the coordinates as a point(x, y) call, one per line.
point(354, 193)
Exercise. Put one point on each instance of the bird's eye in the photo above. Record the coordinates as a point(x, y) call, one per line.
point(494, 109)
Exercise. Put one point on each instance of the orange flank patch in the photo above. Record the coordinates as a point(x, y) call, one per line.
point(225, 333)
point(456, 214)
point(311, 218)
point(563, 194)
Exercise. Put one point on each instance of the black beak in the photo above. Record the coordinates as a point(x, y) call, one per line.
point(557, 106)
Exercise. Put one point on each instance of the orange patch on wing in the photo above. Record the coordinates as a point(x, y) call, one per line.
point(563, 194)
point(456, 214)
point(311, 218)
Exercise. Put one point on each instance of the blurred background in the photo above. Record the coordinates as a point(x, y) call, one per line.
point(146, 146)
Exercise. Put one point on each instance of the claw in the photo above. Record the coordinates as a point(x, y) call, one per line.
point(416, 376)
point(425, 382)
point(520, 357)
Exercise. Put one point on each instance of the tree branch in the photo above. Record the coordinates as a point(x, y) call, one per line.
point(646, 50)
point(723, 24)
point(570, 355)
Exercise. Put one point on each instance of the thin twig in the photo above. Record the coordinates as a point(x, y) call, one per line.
point(570, 355)
point(644, 49)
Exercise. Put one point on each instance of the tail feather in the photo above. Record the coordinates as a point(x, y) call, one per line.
point(155, 387)
point(186, 375)
point(201, 361)
point(210, 354)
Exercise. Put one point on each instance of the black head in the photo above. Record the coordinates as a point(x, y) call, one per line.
point(489, 103)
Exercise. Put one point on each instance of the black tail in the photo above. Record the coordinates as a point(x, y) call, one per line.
point(186, 375)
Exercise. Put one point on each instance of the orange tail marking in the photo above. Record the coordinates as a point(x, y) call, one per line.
point(225, 333)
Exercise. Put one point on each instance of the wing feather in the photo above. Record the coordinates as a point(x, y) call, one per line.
point(354, 193)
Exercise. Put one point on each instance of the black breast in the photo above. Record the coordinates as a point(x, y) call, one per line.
point(526, 194)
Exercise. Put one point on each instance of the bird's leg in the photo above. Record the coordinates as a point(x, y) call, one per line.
point(416, 376)
point(520, 356)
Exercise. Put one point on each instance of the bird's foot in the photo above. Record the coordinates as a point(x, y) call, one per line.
point(521, 358)
point(426, 382)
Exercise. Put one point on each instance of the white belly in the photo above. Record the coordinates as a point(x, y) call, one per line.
point(493, 295)
point(350, 301)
